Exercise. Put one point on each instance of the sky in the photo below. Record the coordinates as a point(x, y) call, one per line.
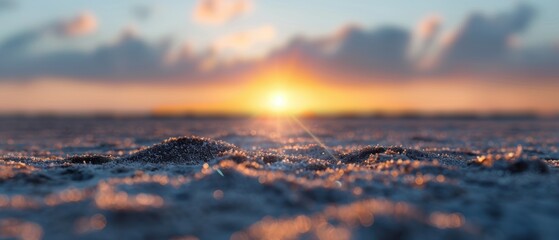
point(241, 56)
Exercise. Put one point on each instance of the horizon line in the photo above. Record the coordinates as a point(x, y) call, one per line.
point(311, 115)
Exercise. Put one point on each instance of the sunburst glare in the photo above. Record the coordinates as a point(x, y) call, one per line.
point(278, 102)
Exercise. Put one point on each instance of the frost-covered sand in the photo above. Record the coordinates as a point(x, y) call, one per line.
point(257, 179)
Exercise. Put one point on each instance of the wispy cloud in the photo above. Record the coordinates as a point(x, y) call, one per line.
point(82, 24)
point(422, 52)
point(215, 12)
point(429, 26)
point(14, 48)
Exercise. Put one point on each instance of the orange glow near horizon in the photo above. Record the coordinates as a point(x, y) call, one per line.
point(273, 91)
point(291, 92)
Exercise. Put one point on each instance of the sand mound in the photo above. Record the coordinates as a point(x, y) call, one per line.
point(362, 154)
point(192, 150)
point(312, 151)
point(89, 159)
point(513, 166)
point(381, 154)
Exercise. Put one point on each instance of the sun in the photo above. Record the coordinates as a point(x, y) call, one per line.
point(278, 101)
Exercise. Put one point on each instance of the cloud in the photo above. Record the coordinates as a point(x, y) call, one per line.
point(216, 12)
point(421, 52)
point(429, 27)
point(352, 53)
point(381, 51)
point(488, 46)
point(534, 62)
point(129, 57)
point(82, 24)
point(17, 45)
point(479, 48)
point(481, 44)
point(244, 40)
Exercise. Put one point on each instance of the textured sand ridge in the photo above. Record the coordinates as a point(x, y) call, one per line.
point(249, 179)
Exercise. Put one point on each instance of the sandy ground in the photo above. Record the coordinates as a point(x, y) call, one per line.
point(269, 179)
